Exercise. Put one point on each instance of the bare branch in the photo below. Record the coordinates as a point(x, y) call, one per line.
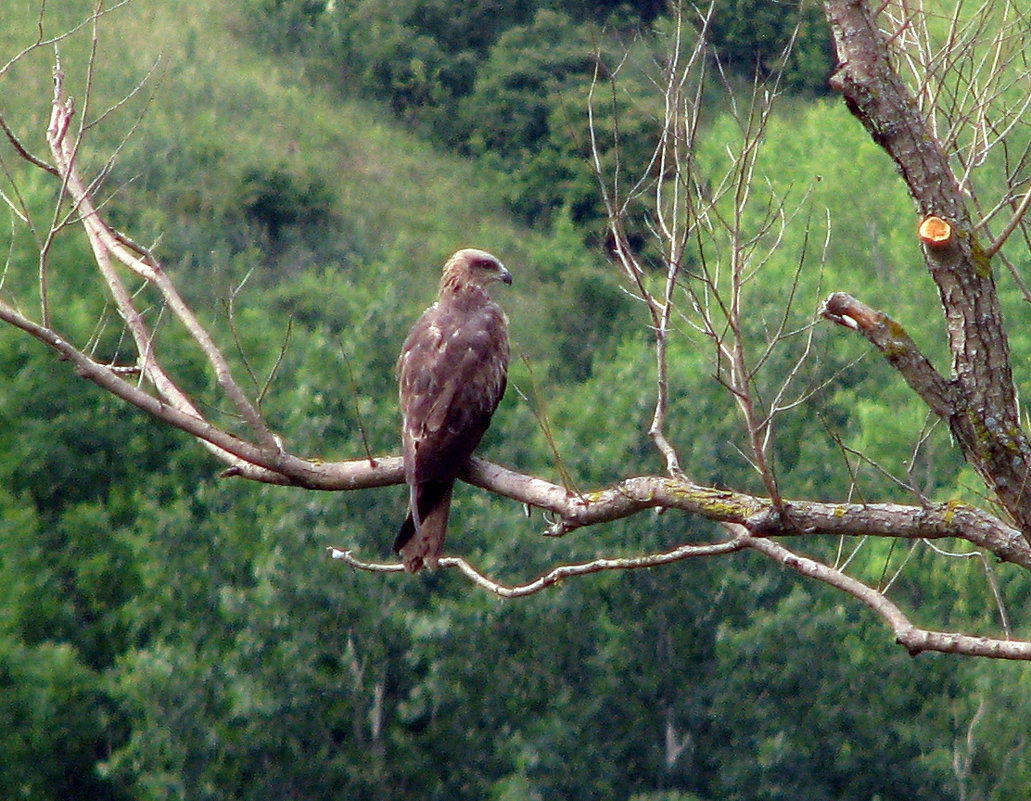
point(758, 515)
point(22, 152)
point(914, 639)
point(109, 248)
point(557, 574)
point(1019, 213)
point(897, 347)
point(984, 410)
point(42, 40)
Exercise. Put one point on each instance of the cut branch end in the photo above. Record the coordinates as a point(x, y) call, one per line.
point(935, 232)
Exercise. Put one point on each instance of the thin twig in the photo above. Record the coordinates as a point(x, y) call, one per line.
point(557, 574)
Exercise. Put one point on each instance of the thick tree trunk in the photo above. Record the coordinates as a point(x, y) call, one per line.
point(978, 400)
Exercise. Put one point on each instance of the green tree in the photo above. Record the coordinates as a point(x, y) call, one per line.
point(790, 39)
point(822, 697)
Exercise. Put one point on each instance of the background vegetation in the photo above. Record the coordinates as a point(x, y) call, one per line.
point(167, 635)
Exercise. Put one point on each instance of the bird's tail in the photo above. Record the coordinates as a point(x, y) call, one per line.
point(421, 541)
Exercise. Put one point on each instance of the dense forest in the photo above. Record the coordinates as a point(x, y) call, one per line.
point(304, 169)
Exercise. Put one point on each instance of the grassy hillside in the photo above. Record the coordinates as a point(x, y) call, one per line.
point(219, 132)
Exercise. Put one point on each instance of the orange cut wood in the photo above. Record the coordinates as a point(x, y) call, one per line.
point(935, 232)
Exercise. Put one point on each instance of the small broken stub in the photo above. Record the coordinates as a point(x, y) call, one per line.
point(845, 310)
point(935, 232)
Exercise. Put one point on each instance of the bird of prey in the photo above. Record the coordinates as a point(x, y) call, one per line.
point(452, 373)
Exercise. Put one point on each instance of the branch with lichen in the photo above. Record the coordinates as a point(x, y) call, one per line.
point(897, 347)
point(979, 399)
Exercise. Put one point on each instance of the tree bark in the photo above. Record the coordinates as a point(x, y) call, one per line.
point(982, 411)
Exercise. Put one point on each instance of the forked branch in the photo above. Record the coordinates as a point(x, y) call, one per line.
point(916, 640)
point(109, 250)
point(982, 402)
point(980, 386)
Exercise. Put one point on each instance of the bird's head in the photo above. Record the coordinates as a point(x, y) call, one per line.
point(472, 267)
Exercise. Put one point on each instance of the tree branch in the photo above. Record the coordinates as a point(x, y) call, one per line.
point(557, 574)
point(985, 417)
point(914, 639)
point(107, 248)
point(573, 510)
point(898, 348)
point(1015, 220)
point(759, 515)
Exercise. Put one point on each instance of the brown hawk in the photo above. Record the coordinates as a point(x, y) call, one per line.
point(452, 373)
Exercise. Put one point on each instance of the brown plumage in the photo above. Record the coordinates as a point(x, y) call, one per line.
point(452, 374)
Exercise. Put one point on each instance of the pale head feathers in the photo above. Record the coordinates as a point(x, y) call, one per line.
point(472, 267)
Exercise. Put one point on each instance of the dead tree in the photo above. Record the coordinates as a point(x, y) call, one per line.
point(936, 95)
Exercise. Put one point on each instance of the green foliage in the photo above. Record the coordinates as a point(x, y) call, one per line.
point(287, 24)
point(527, 117)
point(753, 36)
point(812, 682)
point(503, 82)
point(412, 54)
point(507, 113)
point(667, 796)
point(54, 718)
point(277, 202)
point(254, 675)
